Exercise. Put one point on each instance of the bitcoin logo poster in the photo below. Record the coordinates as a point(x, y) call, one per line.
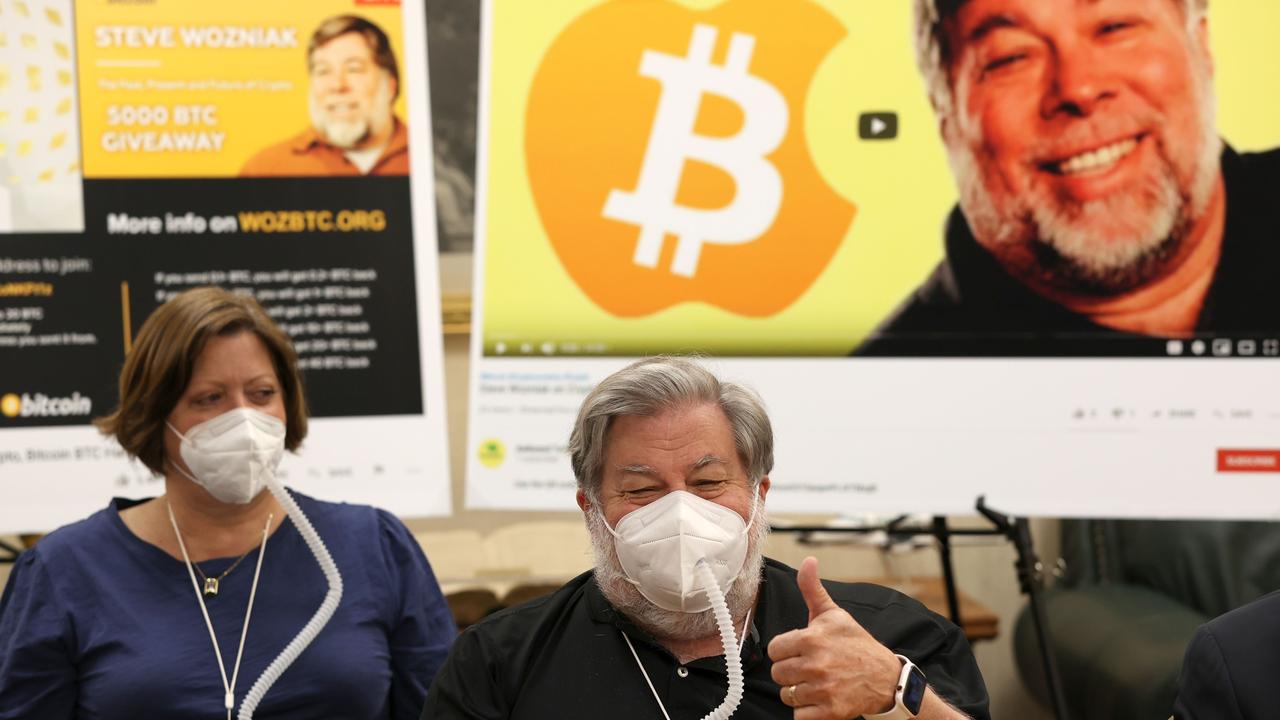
point(680, 176)
point(917, 256)
point(711, 181)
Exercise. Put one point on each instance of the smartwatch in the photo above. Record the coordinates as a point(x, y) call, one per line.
point(909, 695)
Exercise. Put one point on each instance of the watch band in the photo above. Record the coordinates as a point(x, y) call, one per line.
point(911, 682)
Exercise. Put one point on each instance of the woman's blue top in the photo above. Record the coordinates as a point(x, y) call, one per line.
point(97, 623)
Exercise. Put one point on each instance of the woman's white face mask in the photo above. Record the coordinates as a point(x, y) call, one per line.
point(659, 546)
point(232, 455)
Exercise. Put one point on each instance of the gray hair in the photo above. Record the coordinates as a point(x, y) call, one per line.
point(933, 56)
point(656, 384)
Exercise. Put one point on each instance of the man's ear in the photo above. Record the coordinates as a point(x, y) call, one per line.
point(582, 501)
point(764, 487)
point(946, 126)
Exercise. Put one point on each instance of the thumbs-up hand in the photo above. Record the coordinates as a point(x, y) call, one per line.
point(833, 669)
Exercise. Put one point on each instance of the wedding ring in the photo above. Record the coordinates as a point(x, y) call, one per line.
point(791, 694)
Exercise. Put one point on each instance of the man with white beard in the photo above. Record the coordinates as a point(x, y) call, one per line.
point(354, 131)
point(1097, 204)
point(682, 614)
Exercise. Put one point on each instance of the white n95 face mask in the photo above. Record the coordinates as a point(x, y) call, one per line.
point(232, 454)
point(659, 546)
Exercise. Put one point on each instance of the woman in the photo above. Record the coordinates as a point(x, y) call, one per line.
point(114, 616)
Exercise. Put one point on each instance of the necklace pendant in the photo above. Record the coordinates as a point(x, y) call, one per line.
point(211, 586)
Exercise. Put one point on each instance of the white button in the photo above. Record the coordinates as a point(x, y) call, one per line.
point(682, 671)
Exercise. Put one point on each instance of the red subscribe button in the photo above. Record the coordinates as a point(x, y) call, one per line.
point(1267, 461)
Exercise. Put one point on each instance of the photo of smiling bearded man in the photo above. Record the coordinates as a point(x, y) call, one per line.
point(1097, 203)
point(354, 80)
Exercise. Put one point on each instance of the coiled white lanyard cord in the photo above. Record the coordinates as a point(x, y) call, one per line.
point(229, 699)
point(663, 708)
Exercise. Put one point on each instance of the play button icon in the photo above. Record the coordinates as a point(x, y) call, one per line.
point(878, 125)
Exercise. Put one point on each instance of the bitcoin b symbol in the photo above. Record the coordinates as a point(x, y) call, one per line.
point(652, 206)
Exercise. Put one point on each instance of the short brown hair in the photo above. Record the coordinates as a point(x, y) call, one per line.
point(158, 368)
point(373, 35)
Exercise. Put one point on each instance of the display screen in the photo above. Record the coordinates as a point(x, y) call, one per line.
point(1001, 248)
point(913, 693)
point(643, 196)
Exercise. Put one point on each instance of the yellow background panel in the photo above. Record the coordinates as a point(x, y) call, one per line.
point(902, 189)
point(259, 94)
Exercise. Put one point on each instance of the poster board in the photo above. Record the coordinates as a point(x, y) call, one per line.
point(176, 141)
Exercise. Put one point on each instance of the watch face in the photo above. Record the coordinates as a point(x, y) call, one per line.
point(913, 691)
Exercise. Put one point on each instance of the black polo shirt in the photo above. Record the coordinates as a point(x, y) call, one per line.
point(563, 656)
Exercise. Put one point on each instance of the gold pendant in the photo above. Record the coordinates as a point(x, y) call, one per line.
point(211, 586)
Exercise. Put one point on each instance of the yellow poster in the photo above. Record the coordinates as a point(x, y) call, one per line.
point(742, 177)
point(181, 88)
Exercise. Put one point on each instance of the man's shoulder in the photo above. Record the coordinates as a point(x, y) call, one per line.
point(938, 294)
point(1231, 661)
point(395, 157)
point(934, 305)
point(279, 158)
point(870, 604)
point(1256, 625)
point(1250, 177)
point(1263, 161)
point(898, 622)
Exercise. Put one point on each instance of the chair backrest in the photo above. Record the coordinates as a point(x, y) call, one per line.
point(1210, 566)
point(469, 606)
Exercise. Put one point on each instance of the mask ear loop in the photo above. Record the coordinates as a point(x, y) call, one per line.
point(603, 521)
point(755, 505)
point(175, 465)
point(181, 437)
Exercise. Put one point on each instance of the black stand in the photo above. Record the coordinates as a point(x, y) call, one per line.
point(896, 528)
point(1030, 577)
point(943, 535)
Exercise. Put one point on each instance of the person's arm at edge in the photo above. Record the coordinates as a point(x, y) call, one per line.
point(423, 629)
point(37, 675)
point(1205, 690)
